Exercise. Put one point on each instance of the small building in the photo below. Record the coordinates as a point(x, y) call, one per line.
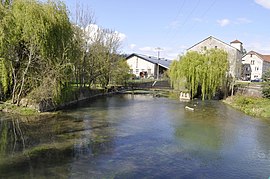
point(259, 64)
point(144, 66)
point(234, 50)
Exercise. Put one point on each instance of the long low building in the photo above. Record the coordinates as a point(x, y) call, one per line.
point(144, 66)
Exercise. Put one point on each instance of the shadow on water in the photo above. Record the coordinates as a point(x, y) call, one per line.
point(136, 136)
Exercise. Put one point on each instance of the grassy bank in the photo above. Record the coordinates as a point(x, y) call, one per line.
point(258, 107)
point(14, 109)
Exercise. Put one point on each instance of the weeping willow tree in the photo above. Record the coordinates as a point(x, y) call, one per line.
point(35, 47)
point(207, 72)
point(4, 78)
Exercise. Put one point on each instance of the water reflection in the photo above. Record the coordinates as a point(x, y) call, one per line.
point(136, 136)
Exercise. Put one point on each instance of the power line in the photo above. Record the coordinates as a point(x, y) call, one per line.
point(192, 27)
point(186, 19)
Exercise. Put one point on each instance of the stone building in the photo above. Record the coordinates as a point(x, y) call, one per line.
point(234, 50)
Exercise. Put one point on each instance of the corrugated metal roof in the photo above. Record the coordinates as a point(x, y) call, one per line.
point(162, 62)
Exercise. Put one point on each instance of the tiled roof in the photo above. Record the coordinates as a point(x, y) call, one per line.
point(162, 62)
point(263, 57)
point(236, 41)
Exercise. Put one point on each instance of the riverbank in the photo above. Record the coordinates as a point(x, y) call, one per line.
point(29, 109)
point(14, 109)
point(254, 106)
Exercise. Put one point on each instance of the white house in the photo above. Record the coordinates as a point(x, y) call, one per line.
point(234, 50)
point(147, 66)
point(259, 64)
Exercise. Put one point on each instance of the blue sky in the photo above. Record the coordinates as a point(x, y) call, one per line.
point(175, 25)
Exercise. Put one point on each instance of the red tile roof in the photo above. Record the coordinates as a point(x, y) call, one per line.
point(236, 41)
point(263, 57)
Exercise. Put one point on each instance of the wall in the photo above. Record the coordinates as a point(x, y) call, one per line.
point(77, 96)
point(255, 91)
point(138, 65)
point(234, 56)
point(256, 67)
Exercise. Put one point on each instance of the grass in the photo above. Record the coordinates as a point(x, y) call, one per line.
point(258, 107)
point(14, 109)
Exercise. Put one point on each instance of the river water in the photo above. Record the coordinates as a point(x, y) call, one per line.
point(136, 136)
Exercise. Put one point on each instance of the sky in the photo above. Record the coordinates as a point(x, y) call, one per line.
point(175, 25)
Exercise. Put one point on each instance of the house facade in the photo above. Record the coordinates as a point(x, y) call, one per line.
point(144, 66)
point(259, 64)
point(234, 50)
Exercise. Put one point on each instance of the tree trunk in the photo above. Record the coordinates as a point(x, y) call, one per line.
point(23, 77)
point(14, 85)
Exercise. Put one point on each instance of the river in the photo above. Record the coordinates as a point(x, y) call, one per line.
point(136, 136)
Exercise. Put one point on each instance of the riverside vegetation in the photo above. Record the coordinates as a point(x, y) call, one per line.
point(44, 55)
point(207, 74)
point(258, 107)
point(203, 74)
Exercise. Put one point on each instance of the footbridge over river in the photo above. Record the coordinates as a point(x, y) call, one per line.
point(158, 84)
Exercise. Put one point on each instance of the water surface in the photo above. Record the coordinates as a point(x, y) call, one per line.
point(136, 136)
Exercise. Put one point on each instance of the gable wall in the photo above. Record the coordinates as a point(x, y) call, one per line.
point(234, 56)
point(138, 65)
point(256, 67)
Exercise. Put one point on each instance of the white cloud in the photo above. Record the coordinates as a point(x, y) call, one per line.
point(147, 49)
point(223, 22)
point(263, 3)
point(238, 21)
point(93, 31)
point(242, 20)
point(121, 36)
point(132, 46)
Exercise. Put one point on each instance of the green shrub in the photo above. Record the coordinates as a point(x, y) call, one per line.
point(266, 86)
point(242, 101)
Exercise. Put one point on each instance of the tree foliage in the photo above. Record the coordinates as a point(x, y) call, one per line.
point(207, 71)
point(34, 43)
point(42, 53)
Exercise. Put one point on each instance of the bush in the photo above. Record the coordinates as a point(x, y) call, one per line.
point(266, 90)
point(266, 86)
point(242, 101)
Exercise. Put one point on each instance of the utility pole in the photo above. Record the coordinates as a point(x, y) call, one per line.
point(158, 49)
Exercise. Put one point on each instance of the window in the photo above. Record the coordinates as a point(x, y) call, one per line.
point(252, 62)
point(137, 71)
point(215, 47)
point(205, 48)
point(250, 55)
point(137, 62)
point(149, 71)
